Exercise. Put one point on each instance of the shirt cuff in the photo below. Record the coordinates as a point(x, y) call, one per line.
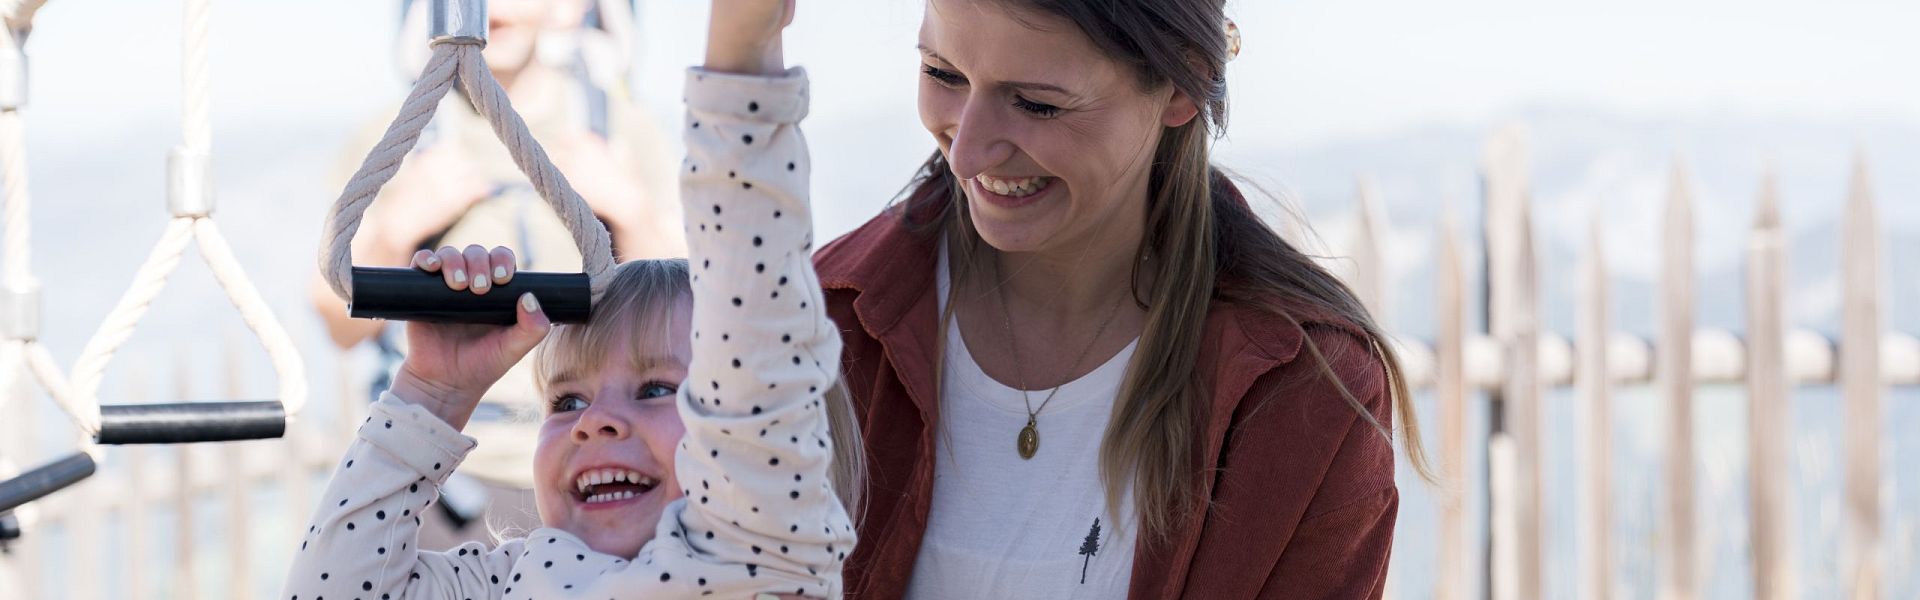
point(769, 99)
point(415, 437)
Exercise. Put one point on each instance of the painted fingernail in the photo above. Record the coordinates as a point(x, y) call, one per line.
point(528, 303)
point(499, 272)
point(431, 261)
point(459, 274)
point(480, 281)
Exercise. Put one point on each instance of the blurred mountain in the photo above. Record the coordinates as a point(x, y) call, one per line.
point(1589, 168)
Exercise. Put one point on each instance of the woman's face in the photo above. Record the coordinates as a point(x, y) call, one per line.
point(1051, 139)
point(603, 469)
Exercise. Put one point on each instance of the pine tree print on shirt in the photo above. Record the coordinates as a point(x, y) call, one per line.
point(1088, 548)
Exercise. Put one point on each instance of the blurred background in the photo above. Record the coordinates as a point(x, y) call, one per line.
point(1607, 100)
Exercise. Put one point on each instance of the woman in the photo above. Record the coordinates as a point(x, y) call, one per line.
point(1083, 367)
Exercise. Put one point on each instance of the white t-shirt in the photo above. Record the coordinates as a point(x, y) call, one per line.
point(1004, 527)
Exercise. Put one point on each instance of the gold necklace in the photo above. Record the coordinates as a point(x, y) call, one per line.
point(1029, 441)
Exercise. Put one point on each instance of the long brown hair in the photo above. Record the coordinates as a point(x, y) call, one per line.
point(1206, 244)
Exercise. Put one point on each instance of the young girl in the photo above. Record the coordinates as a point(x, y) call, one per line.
point(743, 503)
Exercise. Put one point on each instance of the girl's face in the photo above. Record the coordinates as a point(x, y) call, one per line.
point(1051, 139)
point(603, 469)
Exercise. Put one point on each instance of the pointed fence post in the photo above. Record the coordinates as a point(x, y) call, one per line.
point(1369, 255)
point(1674, 378)
point(1768, 437)
point(1450, 395)
point(239, 482)
point(1593, 386)
point(1860, 385)
point(1514, 452)
point(184, 584)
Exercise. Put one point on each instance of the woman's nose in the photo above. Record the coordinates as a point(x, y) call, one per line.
point(978, 139)
point(601, 419)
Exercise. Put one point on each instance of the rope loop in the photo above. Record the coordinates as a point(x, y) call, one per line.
point(459, 59)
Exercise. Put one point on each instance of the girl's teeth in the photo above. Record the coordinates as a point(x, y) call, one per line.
point(609, 497)
point(593, 478)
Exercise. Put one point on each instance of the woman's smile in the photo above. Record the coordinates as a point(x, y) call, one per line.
point(1011, 192)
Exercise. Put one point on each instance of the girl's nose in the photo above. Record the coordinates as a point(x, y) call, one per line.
point(601, 419)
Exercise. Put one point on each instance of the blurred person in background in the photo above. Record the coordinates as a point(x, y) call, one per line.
point(564, 65)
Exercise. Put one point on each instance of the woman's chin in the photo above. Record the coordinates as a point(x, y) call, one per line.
point(1027, 232)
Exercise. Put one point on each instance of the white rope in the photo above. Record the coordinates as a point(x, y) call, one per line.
point(148, 282)
point(78, 394)
point(258, 316)
point(464, 59)
point(17, 269)
point(195, 124)
point(151, 278)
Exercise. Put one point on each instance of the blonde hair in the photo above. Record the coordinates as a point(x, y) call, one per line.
point(637, 309)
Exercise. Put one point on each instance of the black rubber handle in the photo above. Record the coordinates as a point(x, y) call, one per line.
point(188, 422)
point(9, 528)
point(45, 479)
point(416, 295)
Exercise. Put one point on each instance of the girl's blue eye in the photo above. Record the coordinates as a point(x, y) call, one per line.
point(656, 390)
point(566, 403)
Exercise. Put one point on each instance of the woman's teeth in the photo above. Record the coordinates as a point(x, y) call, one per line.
point(624, 484)
point(1025, 186)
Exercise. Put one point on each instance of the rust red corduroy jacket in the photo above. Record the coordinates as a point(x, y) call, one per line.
point(1301, 490)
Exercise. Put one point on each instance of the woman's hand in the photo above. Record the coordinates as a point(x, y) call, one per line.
point(743, 36)
point(449, 366)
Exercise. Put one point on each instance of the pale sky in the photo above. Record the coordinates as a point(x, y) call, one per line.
point(1312, 69)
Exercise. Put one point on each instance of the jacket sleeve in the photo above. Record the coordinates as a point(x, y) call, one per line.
point(1339, 554)
point(1340, 545)
point(1303, 501)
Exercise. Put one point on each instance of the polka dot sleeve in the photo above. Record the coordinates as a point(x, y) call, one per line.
point(755, 460)
point(362, 541)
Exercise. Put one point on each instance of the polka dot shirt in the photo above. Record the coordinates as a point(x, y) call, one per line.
point(761, 515)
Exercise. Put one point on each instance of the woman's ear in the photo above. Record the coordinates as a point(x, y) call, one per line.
point(1180, 109)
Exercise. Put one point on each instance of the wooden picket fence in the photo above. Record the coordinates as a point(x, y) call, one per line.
point(1515, 360)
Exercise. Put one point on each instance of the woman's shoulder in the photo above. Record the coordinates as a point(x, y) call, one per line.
point(1285, 353)
point(1279, 329)
point(879, 250)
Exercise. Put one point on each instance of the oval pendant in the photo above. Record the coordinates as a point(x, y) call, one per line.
point(1029, 440)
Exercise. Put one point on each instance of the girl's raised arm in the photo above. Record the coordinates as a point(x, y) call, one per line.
point(755, 461)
